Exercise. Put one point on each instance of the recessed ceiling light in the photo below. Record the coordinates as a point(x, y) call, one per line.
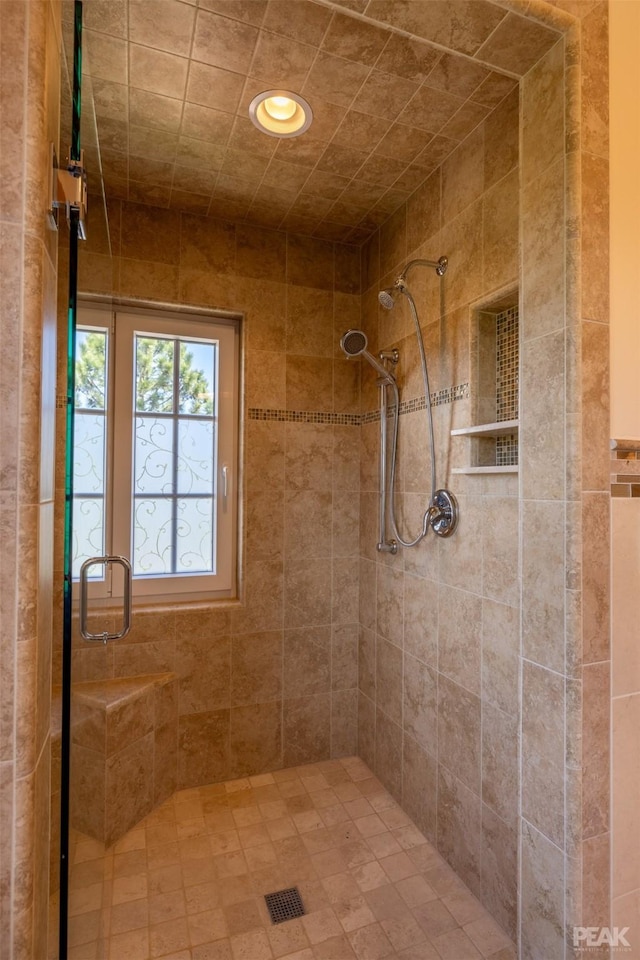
point(280, 113)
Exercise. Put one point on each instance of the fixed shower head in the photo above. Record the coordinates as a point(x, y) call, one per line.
point(354, 342)
point(387, 299)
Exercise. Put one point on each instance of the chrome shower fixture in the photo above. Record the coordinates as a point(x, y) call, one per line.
point(354, 343)
point(387, 297)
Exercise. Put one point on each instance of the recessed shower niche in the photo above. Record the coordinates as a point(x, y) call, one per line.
point(493, 434)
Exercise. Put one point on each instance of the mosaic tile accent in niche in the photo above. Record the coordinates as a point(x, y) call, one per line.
point(507, 382)
point(507, 360)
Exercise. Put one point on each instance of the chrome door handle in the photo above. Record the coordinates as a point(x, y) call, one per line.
point(126, 621)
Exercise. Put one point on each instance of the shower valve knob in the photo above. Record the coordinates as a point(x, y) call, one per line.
point(444, 513)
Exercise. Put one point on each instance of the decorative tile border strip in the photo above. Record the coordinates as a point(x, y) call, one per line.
point(305, 416)
point(625, 468)
point(439, 397)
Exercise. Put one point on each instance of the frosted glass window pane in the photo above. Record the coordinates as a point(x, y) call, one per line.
point(154, 376)
point(195, 456)
point(153, 459)
point(91, 369)
point(152, 536)
point(88, 534)
point(88, 453)
point(197, 385)
point(194, 546)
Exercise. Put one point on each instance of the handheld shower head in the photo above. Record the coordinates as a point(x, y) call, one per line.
point(354, 344)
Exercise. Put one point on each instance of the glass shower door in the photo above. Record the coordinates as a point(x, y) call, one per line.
point(81, 664)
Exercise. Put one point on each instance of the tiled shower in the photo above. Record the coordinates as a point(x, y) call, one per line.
point(470, 674)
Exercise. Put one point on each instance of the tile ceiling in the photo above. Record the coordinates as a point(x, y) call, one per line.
point(394, 85)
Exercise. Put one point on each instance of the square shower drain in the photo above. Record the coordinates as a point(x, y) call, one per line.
point(285, 905)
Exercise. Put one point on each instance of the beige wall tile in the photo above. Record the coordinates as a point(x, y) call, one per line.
point(501, 137)
point(204, 668)
point(389, 601)
point(344, 656)
point(420, 787)
point(499, 870)
point(421, 618)
point(625, 912)
point(389, 679)
point(543, 114)
point(500, 656)
point(306, 729)
point(344, 723)
point(542, 895)
point(388, 753)
point(345, 598)
point(129, 787)
point(256, 668)
point(463, 175)
point(367, 730)
point(367, 662)
point(543, 776)
point(307, 594)
point(459, 732)
point(595, 576)
point(595, 103)
point(543, 228)
point(255, 739)
point(309, 383)
point(543, 578)
point(501, 251)
point(626, 777)
point(203, 742)
point(500, 764)
point(459, 637)
point(541, 426)
point(307, 662)
point(420, 713)
point(625, 539)
point(595, 218)
point(459, 827)
point(596, 903)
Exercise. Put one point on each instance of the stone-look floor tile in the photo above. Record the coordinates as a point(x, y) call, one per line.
point(370, 943)
point(128, 946)
point(251, 946)
point(420, 951)
point(189, 884)
point(167, 937)
point(321, 925)
point(335, 948)
point(218, 950)
point(488, 937)
point(456, 945)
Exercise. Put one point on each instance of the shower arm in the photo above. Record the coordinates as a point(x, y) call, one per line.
point(440, 266)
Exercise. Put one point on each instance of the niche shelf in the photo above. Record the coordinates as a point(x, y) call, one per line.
point(498, 429)
point(493, 438)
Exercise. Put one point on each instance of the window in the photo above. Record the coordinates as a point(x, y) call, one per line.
point(155, 450)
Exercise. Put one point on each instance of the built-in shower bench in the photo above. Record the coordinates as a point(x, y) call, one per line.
point(124, 751)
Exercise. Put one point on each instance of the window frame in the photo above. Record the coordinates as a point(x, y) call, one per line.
point(122, 323)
